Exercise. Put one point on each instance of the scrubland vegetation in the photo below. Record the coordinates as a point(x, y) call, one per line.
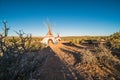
point(79, 39)
point(21, 56)
point(16, 57)
point(103, 61)
point(99, 65)
point(114, 39)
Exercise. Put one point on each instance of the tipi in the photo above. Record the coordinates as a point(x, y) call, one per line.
point(49, 37)
point(58, 37)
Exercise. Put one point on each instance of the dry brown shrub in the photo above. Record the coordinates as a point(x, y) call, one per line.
point(98, 65)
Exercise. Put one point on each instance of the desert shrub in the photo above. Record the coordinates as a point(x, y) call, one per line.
point(16, 60)
point(17, 67)
point(107, 60)
point(99, 65)
point(105, 56)
point(114, 39)
point(15, 45)
point(35, 46)
point(89, 66)
point(75, 41)
point(88, 57)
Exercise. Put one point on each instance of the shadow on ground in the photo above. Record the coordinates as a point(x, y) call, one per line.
point(52, 68)
point(73, 45)
point(77, 56)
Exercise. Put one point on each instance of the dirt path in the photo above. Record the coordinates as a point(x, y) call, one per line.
point(63, 62)
point(70, 56)
point(53, 68)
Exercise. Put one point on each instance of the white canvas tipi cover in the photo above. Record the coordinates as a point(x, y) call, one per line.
point(49, 36)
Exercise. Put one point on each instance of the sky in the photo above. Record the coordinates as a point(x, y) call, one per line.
point(67, 17)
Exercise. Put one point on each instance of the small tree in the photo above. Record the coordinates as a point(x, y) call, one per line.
point(2, 36)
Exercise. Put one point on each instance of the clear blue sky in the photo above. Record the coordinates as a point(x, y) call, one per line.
point(71, 17)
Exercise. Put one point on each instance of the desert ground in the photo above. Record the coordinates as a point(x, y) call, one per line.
point(59, 63)
point(70, 58)
point(63, 61)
